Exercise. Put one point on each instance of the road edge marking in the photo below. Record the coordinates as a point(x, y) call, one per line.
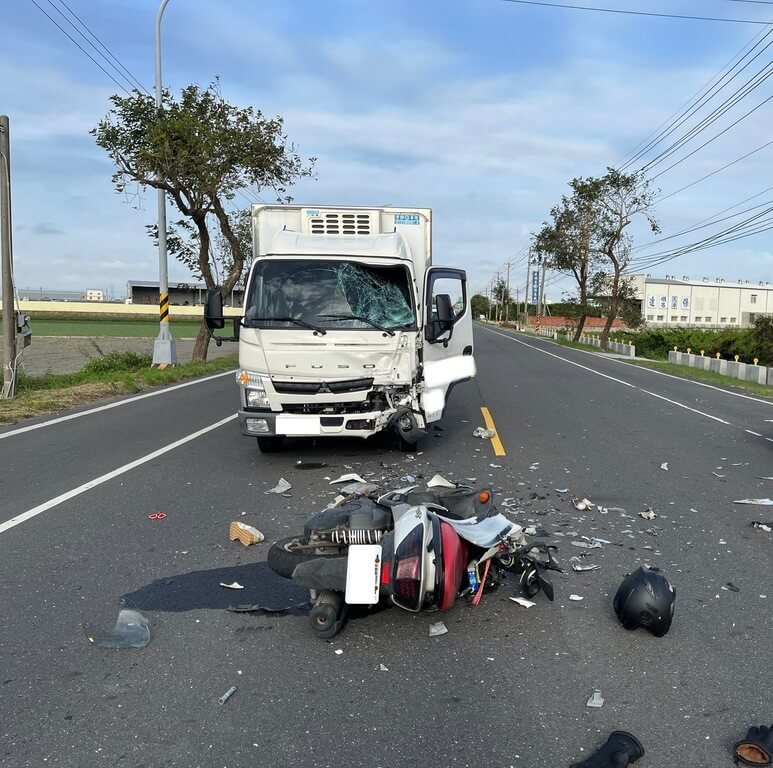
point(499, 449)
point(46, 505)
point(131, 399)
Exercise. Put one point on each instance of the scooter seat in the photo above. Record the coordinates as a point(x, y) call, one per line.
point(454, 557)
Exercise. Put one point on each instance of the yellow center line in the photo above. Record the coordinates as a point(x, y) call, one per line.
point(499, 449)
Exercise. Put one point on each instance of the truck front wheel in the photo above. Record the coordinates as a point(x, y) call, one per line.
point(271, 444)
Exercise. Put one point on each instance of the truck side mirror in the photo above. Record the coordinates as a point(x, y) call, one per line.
point(440, 325)
point(213, 310)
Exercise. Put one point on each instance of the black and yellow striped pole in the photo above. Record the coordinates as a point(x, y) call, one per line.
point(164, 351)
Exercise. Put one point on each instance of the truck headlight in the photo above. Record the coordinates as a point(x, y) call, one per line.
point(254, 389)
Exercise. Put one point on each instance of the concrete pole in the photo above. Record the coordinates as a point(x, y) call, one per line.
point(164, 350)
point(6, 254)
point(507, 306)
point(526, 292)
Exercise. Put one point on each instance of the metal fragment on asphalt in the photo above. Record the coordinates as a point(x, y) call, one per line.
point(758, 502)
point(227, 695)
point(576, 567)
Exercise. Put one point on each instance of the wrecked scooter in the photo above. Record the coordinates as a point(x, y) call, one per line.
point(418, 550)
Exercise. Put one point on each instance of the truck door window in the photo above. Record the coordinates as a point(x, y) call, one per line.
point(453, 287)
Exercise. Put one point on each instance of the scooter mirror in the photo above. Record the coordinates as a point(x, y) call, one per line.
point(547, 586)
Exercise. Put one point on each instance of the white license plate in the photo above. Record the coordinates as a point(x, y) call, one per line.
point(363, 573)
point(297, 425)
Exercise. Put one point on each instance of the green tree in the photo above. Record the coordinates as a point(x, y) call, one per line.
point(201, 151)
point(627, 307)
point(479, 305)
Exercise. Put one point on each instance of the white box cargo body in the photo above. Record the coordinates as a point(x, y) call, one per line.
point(348, 329)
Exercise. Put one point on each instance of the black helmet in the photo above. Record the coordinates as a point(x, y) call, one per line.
point(646, 598)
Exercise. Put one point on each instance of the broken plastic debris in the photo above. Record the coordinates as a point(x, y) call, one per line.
point(227, 695)
point(729, 586)
point(576, 567)
point(244, 533)
point(407, 479)
point(576, 598)
point(664, 465)
point(351, 477)
point(759, 502)
point(438, 628)
point(523, 601)
point(582, 504)
point(767, 527)
point(716, 474)
point(586, 545)
point(438, 481)
point(339, 651)
point(561, 490)
point(760, 477)
point(531, 530)
point(486, 434)
point(648, 514)
point(281, 487)
point(235, 585)
point(382, 668)
point(595, 700)
point(359, 489)
point(131, 630)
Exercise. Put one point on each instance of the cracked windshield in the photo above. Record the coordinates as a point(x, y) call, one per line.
point(330, 295)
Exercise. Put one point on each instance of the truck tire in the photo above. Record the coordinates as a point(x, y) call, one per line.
point(406, 446)
point(282, 557)
point(272, 444)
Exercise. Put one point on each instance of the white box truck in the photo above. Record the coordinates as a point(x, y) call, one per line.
point(348, 329)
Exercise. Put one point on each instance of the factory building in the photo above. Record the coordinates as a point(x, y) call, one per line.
point(704, 303)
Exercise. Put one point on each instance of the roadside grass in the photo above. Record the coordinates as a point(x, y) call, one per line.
point(117, 373)
point(112, 328)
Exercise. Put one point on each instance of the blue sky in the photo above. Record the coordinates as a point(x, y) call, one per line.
point(480, 109)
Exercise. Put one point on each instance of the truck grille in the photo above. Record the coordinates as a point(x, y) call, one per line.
point(330, 387)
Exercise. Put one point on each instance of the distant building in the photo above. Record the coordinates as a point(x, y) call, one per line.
point(94, 295)
point(704, 303)
point(180, 294)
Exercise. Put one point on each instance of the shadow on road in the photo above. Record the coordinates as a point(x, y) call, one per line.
point(201, 589)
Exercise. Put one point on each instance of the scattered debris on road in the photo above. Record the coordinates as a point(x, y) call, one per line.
point(730, 587)
point(131, 630)
point(581, 568)
point(351, 477)
point(595, 700)
point(620, 749)
point(438, 481)
point(300, 464)
point(759, 502)
point(244, 533)
point(576, 598)
point(227, 695)
point(437, 629)
point(234, 585)
point(523, 602)
point(157, 516)
point(483, 433)
point(648, 514)
point(281, 487)
point(382, 668)
point(767, 527)
point(582, 504)
point(757, 747)
point(664, 466)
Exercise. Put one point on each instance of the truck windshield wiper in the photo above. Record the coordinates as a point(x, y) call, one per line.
point(249, 323)
point(362, 320)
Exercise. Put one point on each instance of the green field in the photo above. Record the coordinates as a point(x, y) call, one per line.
point(182, 329)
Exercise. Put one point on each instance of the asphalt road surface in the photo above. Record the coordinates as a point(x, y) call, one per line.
point(506, 686)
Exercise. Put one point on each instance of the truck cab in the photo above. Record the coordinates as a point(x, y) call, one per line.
point(347, 328)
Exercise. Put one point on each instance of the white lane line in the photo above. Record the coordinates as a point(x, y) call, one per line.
point(620, 381)
point(693, 381)
point(562, 359)
point(686, 407)
point(756, 434)
point(107, 407)
point(30, 513)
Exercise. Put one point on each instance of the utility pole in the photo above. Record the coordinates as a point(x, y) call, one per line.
point(6, 255)
point(507, 306)
point(491, 302)
point(164, 350)
point(540, 307)
point(526, 292)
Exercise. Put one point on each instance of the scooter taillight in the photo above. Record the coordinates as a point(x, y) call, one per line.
point(407, 570)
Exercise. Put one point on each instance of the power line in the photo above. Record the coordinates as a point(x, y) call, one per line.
point(53, 21)
point(131, 77)
point(636, 13)
point(713, 173)
point(705, 95)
